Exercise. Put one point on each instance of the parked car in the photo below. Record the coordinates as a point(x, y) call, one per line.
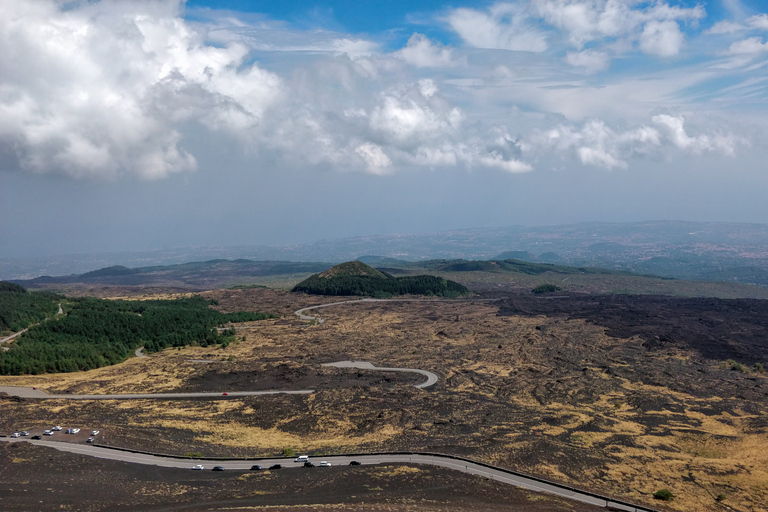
point(325, 464)
point(16, 434)
point(198, 467)
point(256, 467)
point(24, 433)
point(75, 430)
point(48, 433)
point(90, 440)
point(275, 466)
point(57, 427)
point(95, 433)
point(68, 431)
point(355, 463)
point(309, 464)
point(218, 468)
point(37, 437)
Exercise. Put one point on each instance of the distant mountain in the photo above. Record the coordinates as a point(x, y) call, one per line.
point(690, 250)
point(193, 276)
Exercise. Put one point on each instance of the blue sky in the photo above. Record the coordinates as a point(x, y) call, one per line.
point(141, 125)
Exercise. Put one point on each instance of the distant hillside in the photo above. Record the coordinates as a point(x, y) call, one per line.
point(194, 276)
point(514, 266)
point(357, 278)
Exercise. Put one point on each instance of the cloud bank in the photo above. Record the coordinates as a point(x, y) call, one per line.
point(107, 90)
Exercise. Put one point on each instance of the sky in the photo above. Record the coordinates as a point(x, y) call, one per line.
point(145, 125)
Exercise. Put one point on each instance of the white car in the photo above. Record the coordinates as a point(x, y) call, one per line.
point(48, 433)
point(16, 434)
point(75, 430)
point(302, 458)
point(24, 433)
point(198, 466)
point(95, 433)
point(325, 464)
point(57, 427)
point(90, 439)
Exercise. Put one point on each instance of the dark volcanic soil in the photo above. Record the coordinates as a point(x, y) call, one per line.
point(717, 329)
point(43, 479)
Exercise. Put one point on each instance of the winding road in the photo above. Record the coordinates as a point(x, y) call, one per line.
point(444, 461)
point(449, 462)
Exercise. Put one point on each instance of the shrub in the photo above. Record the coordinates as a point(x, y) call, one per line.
point(758, 367)
point(196, 455)
point(720, 497)
point(288, 452)
point(664, 495)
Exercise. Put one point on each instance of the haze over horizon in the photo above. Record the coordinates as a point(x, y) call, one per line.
point(130, 126)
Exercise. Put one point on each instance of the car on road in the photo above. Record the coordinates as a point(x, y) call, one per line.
point(90, 440)
point(198, 467)
point(37, 437)
point(16, 434)
point(225, 394)
point(57, 427)
point(309, 464)
point(302, 458)
point(355, 463)
point(256, 467)
point(95, 433)
point(275, 466)
point(325, 464)
point(218, 468)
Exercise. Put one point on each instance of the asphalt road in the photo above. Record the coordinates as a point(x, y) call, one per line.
point(468, 467)
point(364, 365)
point(26, 392)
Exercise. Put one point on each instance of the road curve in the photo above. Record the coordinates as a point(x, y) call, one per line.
point(457, 464)
point(364, 365)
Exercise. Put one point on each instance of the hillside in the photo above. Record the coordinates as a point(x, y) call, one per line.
point(357, 278)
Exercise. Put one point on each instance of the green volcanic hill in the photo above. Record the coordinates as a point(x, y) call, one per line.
point(357, 278)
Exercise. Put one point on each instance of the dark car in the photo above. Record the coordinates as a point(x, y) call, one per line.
point(256, 467)
point(218, 468)
point(37, 437)
point(309, 464)
point(275, 466)
point(355, 463)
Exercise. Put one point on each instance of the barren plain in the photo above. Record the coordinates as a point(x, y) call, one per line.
point(620, 395)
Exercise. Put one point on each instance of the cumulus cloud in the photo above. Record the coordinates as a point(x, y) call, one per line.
point(423, 53)
point(662, 38)
point(502, 27)
point(94, 91)
point(674, 126)
point(597, 144)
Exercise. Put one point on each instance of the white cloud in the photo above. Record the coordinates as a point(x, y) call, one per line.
point(591, 60)
point(503, 27)
point(662, 38)
point(375, 158)
point(84, 88)
point(677, 135)
point(751, 46)
point(725, 27)
point(423, 53)
point(759, 21)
